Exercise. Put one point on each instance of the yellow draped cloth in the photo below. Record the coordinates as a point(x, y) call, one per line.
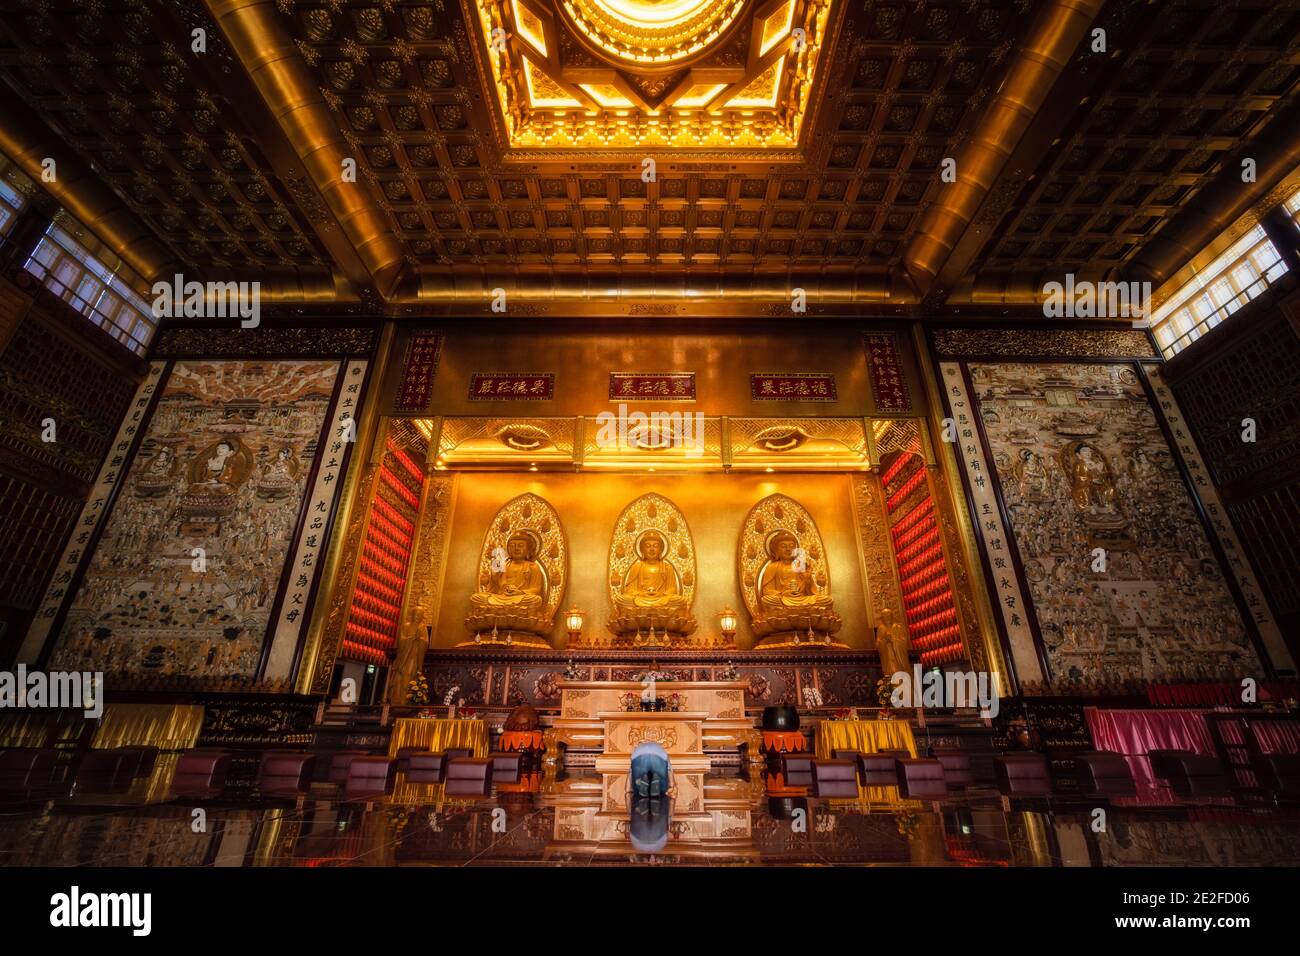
point(868, 737)
point(865, 736)
point(165, 726)
point(439, 735)
point(38, 728)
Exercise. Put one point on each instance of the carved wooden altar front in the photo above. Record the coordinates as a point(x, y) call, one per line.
point(722, 703)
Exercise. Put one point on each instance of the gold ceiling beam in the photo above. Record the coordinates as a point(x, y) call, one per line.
point(452, 286)
point(76, 187)
point(257, 35)
point(1038, 63)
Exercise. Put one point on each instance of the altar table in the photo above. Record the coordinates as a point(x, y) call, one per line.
point(439, 735)
point(865, 736)
point(725, 725)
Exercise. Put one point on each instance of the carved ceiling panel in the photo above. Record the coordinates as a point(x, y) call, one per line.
point(777, 152)
point(117, 81)
point(1187, 83)
point(414, 90)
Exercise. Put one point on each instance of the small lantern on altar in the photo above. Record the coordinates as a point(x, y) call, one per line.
point(573, 621)
point(727, 624)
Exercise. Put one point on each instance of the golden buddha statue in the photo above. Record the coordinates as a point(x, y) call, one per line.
point(520, 584)
point(788, 596)
point(650, 592)
point(786, 585)
point(651, 581)
point(523, 567)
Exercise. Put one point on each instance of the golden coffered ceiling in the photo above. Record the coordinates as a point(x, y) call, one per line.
point(229, 162)
point(650, 75)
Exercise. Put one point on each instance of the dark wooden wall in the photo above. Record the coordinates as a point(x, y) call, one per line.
point(1249, 367)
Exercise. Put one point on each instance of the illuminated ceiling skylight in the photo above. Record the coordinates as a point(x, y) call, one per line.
point(631, 74)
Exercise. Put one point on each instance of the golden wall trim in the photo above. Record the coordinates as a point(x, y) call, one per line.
point(879, 571)
point(953, 504)
point(335, 588)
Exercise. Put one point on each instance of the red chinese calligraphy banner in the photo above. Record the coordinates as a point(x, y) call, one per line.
point(418, 369)
point(792, 387)
point(511, 386)
point(652, 386)
point(888, 385)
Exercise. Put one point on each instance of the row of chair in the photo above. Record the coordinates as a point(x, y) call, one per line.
point(1101, 774)
point(112, 769)
point(280, 772)
point(916, 777)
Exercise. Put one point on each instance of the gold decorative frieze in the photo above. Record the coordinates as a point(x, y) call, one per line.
point(1045, 343)
point(807, 443)
point(671, 440)
point(498, 441)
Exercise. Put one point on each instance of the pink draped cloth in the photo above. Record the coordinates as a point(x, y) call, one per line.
point(1277, 736)
point(1135, 733)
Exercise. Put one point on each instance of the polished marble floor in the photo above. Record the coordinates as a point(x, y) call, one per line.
point(746, 818)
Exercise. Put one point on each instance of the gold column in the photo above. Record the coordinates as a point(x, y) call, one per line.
point(959, 533)
point(423, 595)
point(879, 572)
point(257, 34)
point(339, 573)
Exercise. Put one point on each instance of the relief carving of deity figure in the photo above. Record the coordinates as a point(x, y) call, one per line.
point(161, 464)
point(1031, 475)
point(219, 469)
point(1091, 486)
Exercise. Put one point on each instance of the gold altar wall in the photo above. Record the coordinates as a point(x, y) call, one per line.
point(714, 505)
point(722, 360)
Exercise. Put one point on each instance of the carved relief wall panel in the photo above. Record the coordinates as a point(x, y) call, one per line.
point(183, 582)
point(1121, 576)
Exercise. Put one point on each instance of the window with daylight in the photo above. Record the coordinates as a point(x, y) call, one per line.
point(100, 293)
point(1292, 207)
point(1247, 268)
point(11, 204)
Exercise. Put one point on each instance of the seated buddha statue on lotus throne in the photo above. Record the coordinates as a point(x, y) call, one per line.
point(650, 597)
point(512, 596)
point(788, 596)
point(520, 583)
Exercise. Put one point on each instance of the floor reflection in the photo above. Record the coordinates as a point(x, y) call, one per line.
point(735, 819)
